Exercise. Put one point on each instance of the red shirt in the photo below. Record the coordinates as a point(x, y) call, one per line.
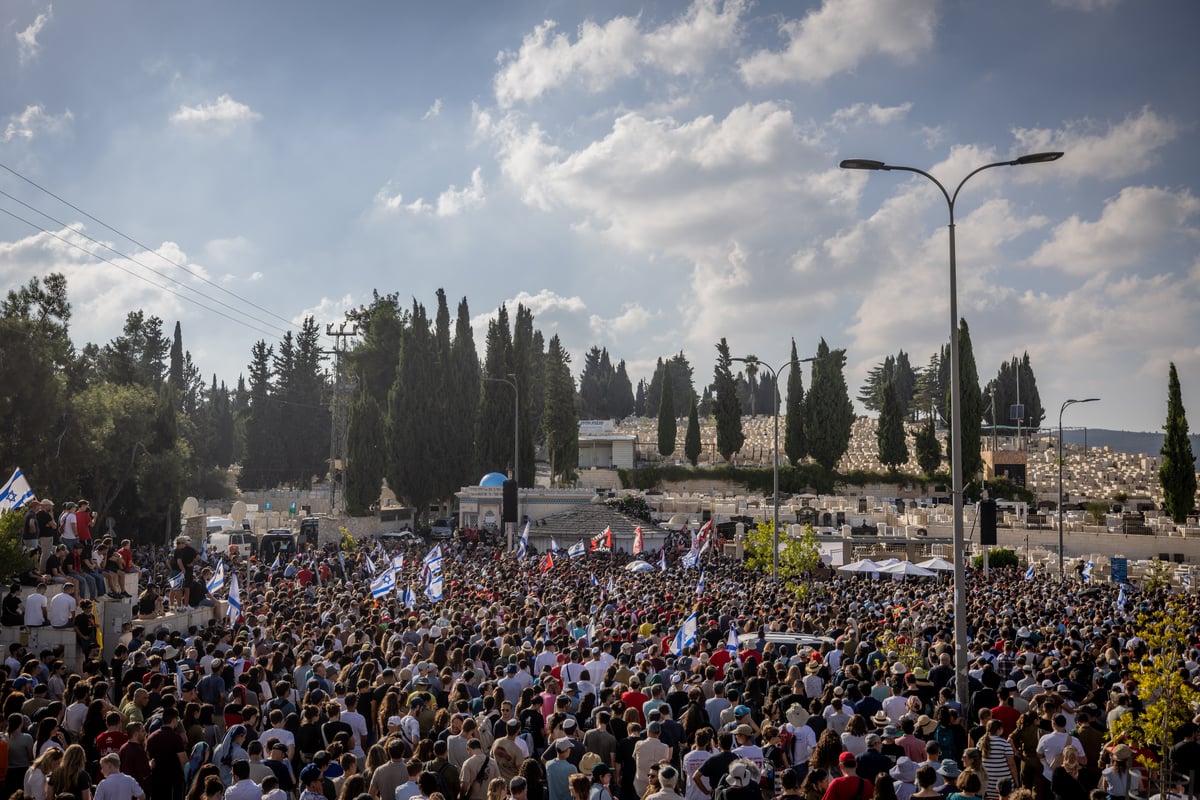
point(83, 526)
point(719, 659)
point(1008, 717)
point(304, 577)
point(110, 742)
point(850, 788)
point(635, 699)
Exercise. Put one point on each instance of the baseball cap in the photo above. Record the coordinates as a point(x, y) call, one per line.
point(309, 774)
point(846, 758)
point(741, 711)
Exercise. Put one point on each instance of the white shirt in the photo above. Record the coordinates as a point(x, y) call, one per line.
point(244, 790)
point(67, 526)
point(894, 707)
point(358, 724)
point(1049, 747)
point(805, 740)
point(35, 609)
point(693, 761)
point(120, 786)
point(62, 610)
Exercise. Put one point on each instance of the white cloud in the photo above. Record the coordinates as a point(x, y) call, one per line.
point(327, 310)
point(33, 121)
point(872, 114)
point(225, 111)
point(604, 53)
point(27, 43)
point(840, 35)
point(450, 203)
point(434, 110)
point(1132, 226)
point(255, 277)
point(543, 303)
point(1124, 148)
point(633, 318)
point(1087, 5)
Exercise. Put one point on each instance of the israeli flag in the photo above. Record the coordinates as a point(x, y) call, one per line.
point(409, 598)
point(434, 555)
point(662, 560)
point(235, 598)
point(523, 544)
point(1029, 572)
point(591, 632)
point(553, 545)
point(398, 562)
point(594, 581)
point(577, 549)
point(1185, 580)
point(691, 559)
point(433, 587)
point(16, 492)
point(369, 563)
point(385, 583)
point(1121, 599)
point(731, 643)
point(1087, 572)
point(686, 637)
point(217, 582)
point(176, 581)
point(700, 586)
point(611, 585)
point(275, 563)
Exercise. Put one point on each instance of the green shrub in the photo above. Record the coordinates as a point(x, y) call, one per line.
point(998, 559)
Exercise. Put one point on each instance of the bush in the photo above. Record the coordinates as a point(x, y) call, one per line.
point(792, 480)
point(998, 559)
point(13, 559)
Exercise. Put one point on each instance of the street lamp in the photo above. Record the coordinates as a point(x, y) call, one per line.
point(1061, 568)
point(516, 444)
point(961, 688)
point(775, 453)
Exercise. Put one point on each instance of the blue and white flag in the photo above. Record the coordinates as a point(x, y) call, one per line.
point(523, 544)
point(176, 581)
point(731, 643)
point(383, 584)
point(16, 492)
point(217, 582)
point(433, 586)
point(576, 550)
point(662, 560)
point(369, 564)
point(686, 637)
point(275, 563)
point(433, 555)
point(1030, 572)
point(611, 585)
point(398, 562)
point(1087, 572)
point(1185, 580)
point(700, 586)
point(409, 598)
point(690, 560)
point(235, 599)
point(591, 632)
point(553, 545)
point(1121, 599)
point(594, 581)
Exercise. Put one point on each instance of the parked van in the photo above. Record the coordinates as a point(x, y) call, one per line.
point(277, 542)
point(233, 541)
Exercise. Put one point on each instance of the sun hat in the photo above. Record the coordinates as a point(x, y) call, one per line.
point(905, 770)
point(949, 768)
point(926, 724)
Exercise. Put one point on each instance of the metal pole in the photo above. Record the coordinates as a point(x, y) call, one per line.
point(775, 518)
point(516, 451)
point(1066, 403)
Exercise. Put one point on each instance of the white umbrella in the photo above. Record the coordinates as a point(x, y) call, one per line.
point(937, 564)
point(888, 562)
point(908, 569)
point(639, 566)
point(864, 565)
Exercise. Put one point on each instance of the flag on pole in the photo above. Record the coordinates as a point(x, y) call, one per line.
point(731, 643)
point(176, 581)
point(434, 586)
point(398, 562)
point(591, 632)
point(275, 563)
point(409, 598)
point(217, 582)
point(662, 560)
point(16, 492)
point(1087, 572)
point(638, 542)
point(700, 586)
point(686, 637)
point(386, 582)
point(602, 540)
point(576, 550)
point(553, 545)
point(235, 599)
point(611, 585)
point(704, 536)
point(523, 544)
point(1185, 580)
point(1029, 572)
point(1121, 599)
point(369, 563)
point(690, 559)
point(594, 581)
point(547, 563)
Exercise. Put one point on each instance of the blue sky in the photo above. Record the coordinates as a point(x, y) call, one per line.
point(646, 176)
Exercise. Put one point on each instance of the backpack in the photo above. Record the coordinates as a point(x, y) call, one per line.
point(439, 777)
point(787, 741)
point(945, 739)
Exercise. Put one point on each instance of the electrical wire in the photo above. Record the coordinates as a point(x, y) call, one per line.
point(288, 323)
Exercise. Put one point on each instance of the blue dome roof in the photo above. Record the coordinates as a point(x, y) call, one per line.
point(493, 479)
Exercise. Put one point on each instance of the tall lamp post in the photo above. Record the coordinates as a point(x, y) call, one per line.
point(961, 688)
point(1061, 568)
point(516, 444)
point(775, 454)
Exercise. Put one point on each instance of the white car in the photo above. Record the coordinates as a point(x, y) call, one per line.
point(235, 541)
point(402, 538)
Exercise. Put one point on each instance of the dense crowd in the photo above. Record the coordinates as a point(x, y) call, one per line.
point(567, 682)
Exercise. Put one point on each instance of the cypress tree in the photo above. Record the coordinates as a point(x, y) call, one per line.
point(889, 433)
point(691, 441)
point(971, 406)
point(560, 423)
point(929, 449)
point(666, 417)
point(413, 444)
point(365, 453)
point(793, 422)
point(527, 364)
point(494, 423)
point(726, 408)
point(620, 393)
point(175, 372)
point(829, 414)
point(463, 401)
point(258, 462)
point(1178, 470)
point(639, 399)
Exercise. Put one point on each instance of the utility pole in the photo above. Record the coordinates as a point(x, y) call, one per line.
point(337, 409)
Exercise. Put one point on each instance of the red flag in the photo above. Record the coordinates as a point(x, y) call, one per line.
point(547, 563)
point(637, 541)
point(704, 537)
point(608, 537)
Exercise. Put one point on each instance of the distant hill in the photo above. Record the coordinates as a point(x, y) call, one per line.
point(1133, 442)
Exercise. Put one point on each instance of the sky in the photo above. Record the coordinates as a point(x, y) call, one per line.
point(645, 176)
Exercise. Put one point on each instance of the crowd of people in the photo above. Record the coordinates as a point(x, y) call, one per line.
point(565, 680)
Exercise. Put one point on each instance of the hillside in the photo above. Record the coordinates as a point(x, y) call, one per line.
point(1132, 442)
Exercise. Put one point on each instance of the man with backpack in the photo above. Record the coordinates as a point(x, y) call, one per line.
point(447, 777)
point(477, 771)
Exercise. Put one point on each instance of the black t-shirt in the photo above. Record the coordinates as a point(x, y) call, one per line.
point(185, 554)
point(46, 523)
point(85, 623)
point(53, 563)
point(31, 522)
point(11, 613)
point(146, 602)
point(715, 768)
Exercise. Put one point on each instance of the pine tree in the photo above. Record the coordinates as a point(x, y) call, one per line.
point(889, 433)
point(928, 448)
point(639, 399)
point(375, 358)
point(971, 406)
point(1178, 470)
point(591, 387)
point(666, 417)
point(494, 423)
point(829, 415)
point(691, 440)
point(259, 464)
point(793, 422)
point(1005, 386)
point(412, 443)
point(706, 402)
point(560, 422)
point(462, 404)
point(366, 457)
point(620, 393)
point(175, 373)
point(447, 478)
point(726, 408)
point(752, 382)
point(527, 364)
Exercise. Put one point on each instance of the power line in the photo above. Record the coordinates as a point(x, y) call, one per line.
point(131, 273)
point(113, 250)
point(104, 224)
